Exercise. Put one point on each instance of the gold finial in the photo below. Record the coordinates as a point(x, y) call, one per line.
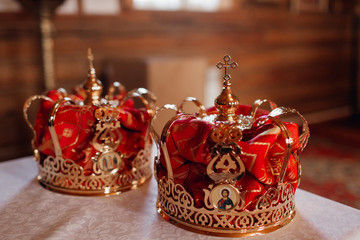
point(226, 65)
point(90, 57)
point(226, 103)
point(93, 86)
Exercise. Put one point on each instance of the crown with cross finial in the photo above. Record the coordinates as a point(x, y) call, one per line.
point(230, 170)
point(86, 144)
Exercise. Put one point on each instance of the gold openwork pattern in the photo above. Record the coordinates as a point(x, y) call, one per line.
point(68, 177)
point(274, 208)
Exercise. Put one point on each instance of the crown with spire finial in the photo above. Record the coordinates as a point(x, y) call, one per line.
point(230, 170)
point(88, 145)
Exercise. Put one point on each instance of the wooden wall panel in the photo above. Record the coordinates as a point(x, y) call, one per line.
point(298, 60)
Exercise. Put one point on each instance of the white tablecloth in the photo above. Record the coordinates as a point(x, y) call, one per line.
point(28, 211)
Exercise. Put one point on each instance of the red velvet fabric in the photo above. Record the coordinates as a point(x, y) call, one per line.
point(75, 129)
point(262, 152)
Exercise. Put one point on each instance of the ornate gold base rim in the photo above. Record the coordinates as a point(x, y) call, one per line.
point(101, 192)
point(221, 232)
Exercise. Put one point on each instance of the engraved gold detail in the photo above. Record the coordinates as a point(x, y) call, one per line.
point(271, 210)
point(226, 166)
point(106, 140)
point(64, 175)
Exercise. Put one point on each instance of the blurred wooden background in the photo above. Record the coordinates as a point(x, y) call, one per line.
point(303, 59)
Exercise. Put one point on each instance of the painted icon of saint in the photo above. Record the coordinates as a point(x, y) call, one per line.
point(225, 202)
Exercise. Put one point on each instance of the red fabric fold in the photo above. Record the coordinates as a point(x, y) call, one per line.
point(75, 129)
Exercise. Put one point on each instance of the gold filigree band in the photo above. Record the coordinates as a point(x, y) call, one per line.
point(273, 210)
point(65, 176)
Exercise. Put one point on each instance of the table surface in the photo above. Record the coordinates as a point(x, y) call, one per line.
point(28, 211)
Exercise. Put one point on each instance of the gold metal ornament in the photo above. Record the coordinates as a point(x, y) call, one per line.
point(226, 103)
point(225, 213)
point(93, 87)
point(226, 166)
point(106, 140)
point(109, 174)
point(273, 210)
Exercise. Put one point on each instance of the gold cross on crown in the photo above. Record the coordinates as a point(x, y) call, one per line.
point(227, 64)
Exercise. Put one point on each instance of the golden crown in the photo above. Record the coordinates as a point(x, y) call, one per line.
point(231, 170)
point(88, 145)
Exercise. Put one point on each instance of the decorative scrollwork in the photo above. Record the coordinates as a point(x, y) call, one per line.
point(66, 176)
point(275, 206)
